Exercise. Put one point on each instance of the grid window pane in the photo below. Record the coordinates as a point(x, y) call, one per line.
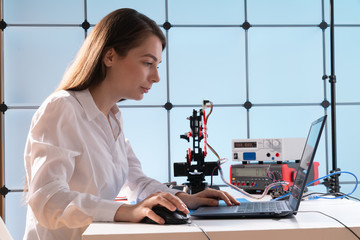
point(284, 69)
point(284, 12)
point(347, 126)
point(15, 214)
point(347, 12)
point(34, 67)
point(273, 122)
point(206, 12)
point(154, 9)
point(44, 11)
point(207, 62)
point(17, 123)
point(147, 132)
point(346, 70)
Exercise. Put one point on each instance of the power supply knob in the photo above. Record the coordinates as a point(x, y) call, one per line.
point(276, 143)
point(267, 144)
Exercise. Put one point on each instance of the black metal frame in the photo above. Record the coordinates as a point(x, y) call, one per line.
point(334, 181)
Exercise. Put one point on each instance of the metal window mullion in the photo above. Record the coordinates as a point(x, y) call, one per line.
point(168, 92)
point(85, 17)
point(2, 159)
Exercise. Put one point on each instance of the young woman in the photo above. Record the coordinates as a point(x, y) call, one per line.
point(77, 159)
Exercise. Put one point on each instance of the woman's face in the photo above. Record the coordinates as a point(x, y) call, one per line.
point(131, 76)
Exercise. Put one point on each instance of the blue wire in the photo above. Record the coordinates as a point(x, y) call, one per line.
point(278, 198)
point(316, 197)
point(342, 196)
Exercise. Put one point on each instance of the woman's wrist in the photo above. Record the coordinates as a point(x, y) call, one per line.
point(182, 195)
point(185, 198)
point(123, 213)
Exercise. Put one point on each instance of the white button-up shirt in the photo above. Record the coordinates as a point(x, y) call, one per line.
point(76, 164)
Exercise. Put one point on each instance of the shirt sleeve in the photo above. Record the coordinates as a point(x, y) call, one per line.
point(138, 186)
point(50, 156)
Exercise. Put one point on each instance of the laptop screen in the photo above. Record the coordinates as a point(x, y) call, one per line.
point(306, 162)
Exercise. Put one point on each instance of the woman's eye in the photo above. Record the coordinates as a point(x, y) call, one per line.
point(148, 64)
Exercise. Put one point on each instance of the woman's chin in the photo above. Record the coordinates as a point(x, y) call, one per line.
point(137, 98)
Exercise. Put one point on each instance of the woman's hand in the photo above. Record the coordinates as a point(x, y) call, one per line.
point(208, 197)
point(135, 213)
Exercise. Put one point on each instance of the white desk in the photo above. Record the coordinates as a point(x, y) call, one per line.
point(303, 226)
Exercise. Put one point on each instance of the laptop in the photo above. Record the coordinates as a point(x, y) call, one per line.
point(279, 208)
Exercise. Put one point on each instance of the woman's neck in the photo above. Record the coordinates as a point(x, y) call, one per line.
point(103, 100)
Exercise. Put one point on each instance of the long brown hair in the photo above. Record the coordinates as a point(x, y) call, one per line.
point(122, 29)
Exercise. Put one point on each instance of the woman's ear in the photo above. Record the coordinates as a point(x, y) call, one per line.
point(109, 57)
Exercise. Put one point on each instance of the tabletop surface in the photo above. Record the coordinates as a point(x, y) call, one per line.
point(308, 218)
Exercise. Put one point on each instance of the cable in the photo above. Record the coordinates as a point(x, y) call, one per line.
point(223, 160)
point(212, 176)
point(342, 196)
point(316, 193)
point(202, 230)
point(205, 119)
point(337, 220)
point(281, 197)
point(214, 152)
point(357, 236)
point(317, 197)
point(350, 196)
point(325, 194)
point(211, 109)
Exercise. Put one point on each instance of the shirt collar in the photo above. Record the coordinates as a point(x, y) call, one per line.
point(87, 102)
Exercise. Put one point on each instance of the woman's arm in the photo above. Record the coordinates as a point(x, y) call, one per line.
point(180, 201)
point(136, 212)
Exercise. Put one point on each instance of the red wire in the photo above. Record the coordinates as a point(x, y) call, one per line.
point(189, 153)
point(205, 135)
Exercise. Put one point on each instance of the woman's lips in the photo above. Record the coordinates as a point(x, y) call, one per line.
point(146, 90)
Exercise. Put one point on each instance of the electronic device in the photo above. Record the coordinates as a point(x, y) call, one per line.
point(268, 149)
point(195, 167)
point(278, 208)
point(255, 178)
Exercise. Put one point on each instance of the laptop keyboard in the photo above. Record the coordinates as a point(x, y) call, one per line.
point(262, 207)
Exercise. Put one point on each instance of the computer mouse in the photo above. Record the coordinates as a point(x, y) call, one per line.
point(176, 217)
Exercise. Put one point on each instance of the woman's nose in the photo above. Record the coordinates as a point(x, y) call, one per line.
point(155, 76)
